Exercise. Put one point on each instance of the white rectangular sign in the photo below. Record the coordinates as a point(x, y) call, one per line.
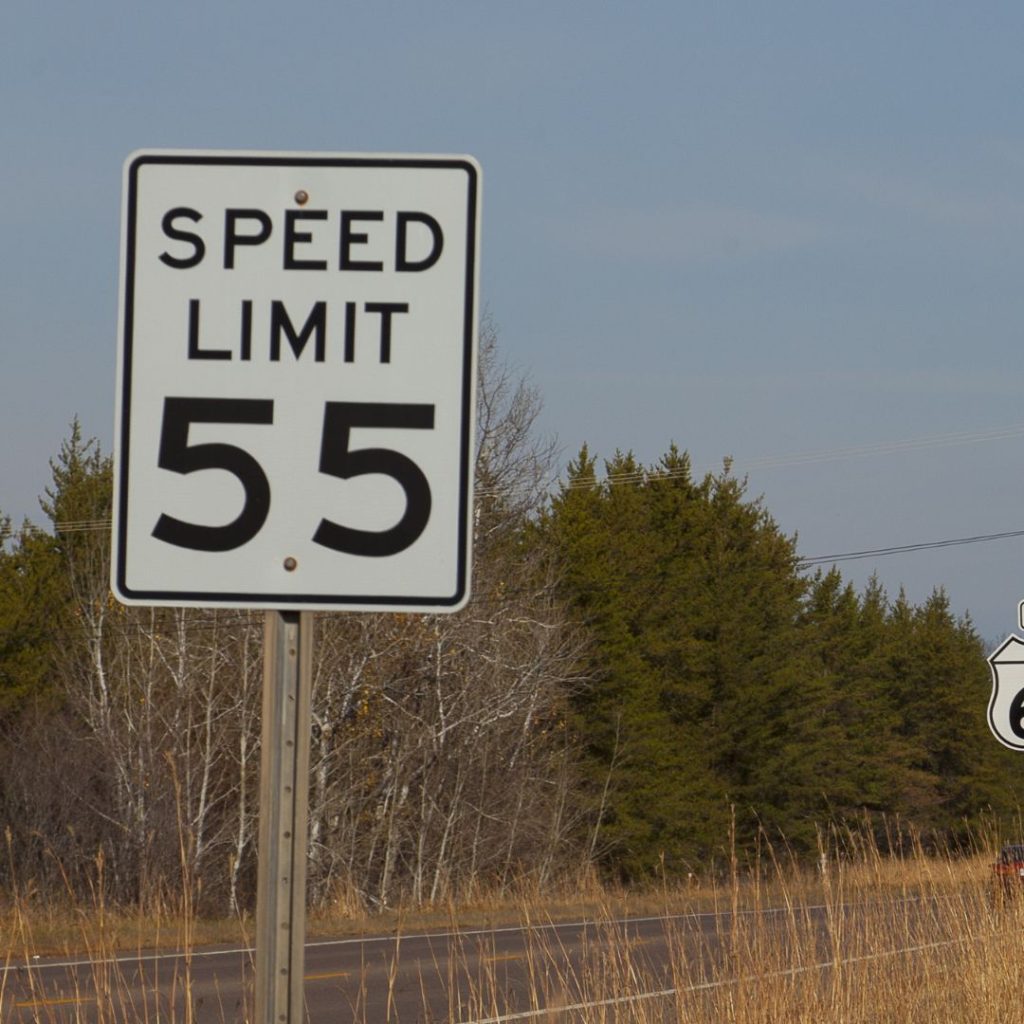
point(296, 376)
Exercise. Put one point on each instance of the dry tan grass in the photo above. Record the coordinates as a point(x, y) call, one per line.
point(860, 939)
point(857, 938)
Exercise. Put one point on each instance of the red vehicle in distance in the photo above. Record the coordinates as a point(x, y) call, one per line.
point(1009, 869)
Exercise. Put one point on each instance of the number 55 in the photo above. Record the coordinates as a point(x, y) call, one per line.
point(336, 459)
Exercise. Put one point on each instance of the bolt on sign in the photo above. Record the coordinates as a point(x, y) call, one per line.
point(296, 376)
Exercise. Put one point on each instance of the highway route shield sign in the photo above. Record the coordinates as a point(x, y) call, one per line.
point(1006, 706)
point(296, 377)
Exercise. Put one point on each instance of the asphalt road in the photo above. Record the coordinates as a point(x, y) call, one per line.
point(500, 974)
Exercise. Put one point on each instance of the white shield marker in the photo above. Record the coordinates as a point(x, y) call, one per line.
point(1006, 708)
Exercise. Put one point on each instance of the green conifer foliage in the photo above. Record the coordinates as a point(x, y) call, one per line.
point(31, 604)
point(41, 572)
point(692, 596)
point(721, 676)
point(940, 689)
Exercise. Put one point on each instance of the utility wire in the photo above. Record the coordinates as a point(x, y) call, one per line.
point(841, 556)
point(850, 556)
point(212, 620)
point(800, 458)
point(220, 620)
point(656, 475)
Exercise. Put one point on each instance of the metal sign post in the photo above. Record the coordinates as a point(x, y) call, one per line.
point(283, 832)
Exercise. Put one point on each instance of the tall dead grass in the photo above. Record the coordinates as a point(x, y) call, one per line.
point(861, 936)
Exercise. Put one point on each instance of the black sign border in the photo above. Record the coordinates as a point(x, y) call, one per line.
point(295, 602)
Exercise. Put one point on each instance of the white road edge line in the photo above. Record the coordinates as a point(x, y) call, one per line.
point(136, 958)
point(665, 993)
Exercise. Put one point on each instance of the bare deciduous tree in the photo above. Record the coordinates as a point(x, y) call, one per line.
point(440, 760)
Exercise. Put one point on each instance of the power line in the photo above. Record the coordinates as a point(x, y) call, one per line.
point(842, 556)
point(645, 476)
point(213, 620)
point(641, 476)
point(850, 556)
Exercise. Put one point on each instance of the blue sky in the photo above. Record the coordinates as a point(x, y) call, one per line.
point(754, 230)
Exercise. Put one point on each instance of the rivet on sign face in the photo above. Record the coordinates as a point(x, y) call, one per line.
point(290, 564)
point(302, 197)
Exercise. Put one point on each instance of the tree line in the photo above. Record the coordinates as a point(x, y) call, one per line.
point(642, 661)
point(723, 677)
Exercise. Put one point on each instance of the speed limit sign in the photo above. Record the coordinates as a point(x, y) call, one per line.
point(296, 374)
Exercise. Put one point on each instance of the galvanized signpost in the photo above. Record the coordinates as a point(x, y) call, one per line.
point(296, 375)
point(284, 794)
